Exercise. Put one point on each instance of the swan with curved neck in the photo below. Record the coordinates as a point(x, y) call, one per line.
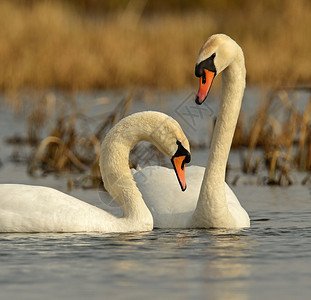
point(25, 208)
point(209, 202)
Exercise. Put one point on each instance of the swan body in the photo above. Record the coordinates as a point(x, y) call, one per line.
point(25, 208)
point(173, 208)
point(208, 201)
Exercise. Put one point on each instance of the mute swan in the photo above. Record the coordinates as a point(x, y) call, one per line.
point(25, 208)
point(208, 201)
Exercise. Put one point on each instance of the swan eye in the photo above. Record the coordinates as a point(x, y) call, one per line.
point(181, 151)
point(207, 64)
point(203, 78)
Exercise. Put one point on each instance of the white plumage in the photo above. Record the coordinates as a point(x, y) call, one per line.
point(208, 201)
point(25, 208)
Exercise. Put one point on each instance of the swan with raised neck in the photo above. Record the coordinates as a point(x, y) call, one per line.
point(220, 54)
point(208, 201)
point(26, 208)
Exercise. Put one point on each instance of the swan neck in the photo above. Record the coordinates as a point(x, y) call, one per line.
point(233, 85)
point(115, 171)
point(212, 203)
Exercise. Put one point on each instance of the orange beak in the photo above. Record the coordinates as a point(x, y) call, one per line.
point(179, 167)
point(205, 84)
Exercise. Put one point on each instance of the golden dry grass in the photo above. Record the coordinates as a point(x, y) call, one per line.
point(54, 44)
point(284, 135)
point(49, 44)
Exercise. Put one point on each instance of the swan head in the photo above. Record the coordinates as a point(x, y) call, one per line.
point(179, 160)
point(170, 139)
point(216, 54)
point(155, 127)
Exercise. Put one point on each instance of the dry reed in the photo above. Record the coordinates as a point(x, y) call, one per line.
point(283, 133)
point(49, 44)
point(68, 149)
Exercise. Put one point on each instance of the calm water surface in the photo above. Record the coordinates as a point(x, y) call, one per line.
point(270, 260)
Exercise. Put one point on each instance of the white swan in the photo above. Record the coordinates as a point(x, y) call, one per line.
point(25, 208)
point(208, 201)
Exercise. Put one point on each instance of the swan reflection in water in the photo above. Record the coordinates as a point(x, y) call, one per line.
point(205, 264)
point(219, 264)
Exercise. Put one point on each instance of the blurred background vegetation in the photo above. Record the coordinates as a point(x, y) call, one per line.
point(90, 44)
point(52, 50)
